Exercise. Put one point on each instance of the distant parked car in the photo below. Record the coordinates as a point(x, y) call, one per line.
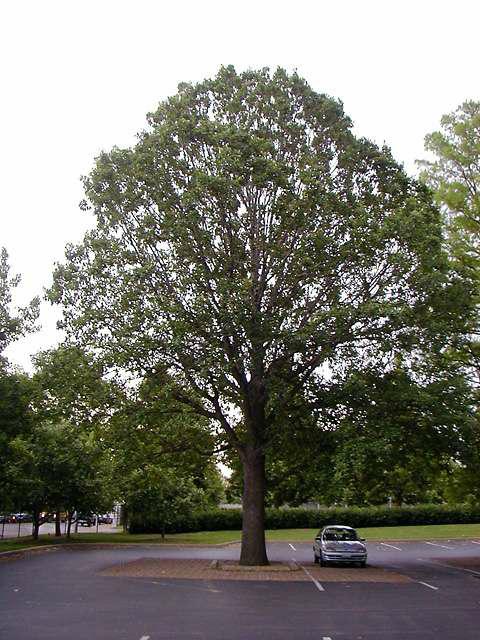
point(87, 520)
point(338, 543)
point(6, 518)
point(105, 519)
point(21, 517)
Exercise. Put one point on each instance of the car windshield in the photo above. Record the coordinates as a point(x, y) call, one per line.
point(340, 534)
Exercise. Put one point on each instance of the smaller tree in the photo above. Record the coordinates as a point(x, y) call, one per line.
point(454, 176)
point(454, 173)
point(55, 468)
point(163, 455)
point(18, 322)
point(157, 496)
point(399, 433)
point(16, 419)
point(72, 387)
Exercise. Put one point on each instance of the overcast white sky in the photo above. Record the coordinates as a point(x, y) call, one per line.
point(78, 77)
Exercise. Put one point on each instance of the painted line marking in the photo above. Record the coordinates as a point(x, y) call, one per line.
point(291, 545)
point(430, 586)
point(474, 542)
point(451, 566)
point(145, 638)
point(315, 582)
point(391, 546)
point(326, 638)
point(442, 546)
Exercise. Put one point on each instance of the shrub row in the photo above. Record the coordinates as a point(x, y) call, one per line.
point(231, 519)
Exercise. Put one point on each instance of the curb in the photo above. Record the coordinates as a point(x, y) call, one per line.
point(28, 550)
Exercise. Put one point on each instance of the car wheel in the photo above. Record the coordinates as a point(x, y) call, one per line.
point(322, 561)
point(363, 564)
point(316, 559)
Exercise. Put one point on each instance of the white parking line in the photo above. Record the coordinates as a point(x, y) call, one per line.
point(452, 566)
point(291, 545)
point(390, 545)
point(442, 546)
point(474, 542)
point(315, 582)
point(145, 638)
point(326, 638)
point(430, 586)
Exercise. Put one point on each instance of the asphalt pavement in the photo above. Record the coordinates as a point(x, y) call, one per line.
point(59, 593)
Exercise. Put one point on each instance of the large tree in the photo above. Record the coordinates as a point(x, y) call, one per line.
point(247, 244)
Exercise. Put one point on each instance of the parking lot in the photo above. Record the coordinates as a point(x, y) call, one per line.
point(93, 593)
point(15, 530)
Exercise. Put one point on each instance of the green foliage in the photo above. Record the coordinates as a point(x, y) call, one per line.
point(16, 420)
point(398, 433)
point(162, 452)
point(161, 495)
point(231, 519)
point(454, 174)
point(454, 177)
point(57, 468)
point(71, 386)
point(13, 324)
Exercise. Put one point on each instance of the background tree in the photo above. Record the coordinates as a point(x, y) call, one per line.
point(245, 245)
point(153, 437)
point(55, 468)
point(158, 495)
point(399, 432)
point(71, 386)
point(17, 419)
point(454, 176)
point(16, 389)
point(17, 322)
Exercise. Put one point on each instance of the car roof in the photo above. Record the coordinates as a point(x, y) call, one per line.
point(338, 526)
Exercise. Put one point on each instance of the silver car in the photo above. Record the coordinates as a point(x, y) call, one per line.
point(338, 543)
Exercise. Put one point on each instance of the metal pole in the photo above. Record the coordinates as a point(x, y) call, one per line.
point(19, 523)
point(3, 525)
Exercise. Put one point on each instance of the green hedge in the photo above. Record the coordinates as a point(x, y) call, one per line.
point(231, 519)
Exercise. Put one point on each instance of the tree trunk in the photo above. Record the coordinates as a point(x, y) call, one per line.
point(124, 518)
point(58, 525)
point(69, 522)
point(253, 529)
point(36, 524)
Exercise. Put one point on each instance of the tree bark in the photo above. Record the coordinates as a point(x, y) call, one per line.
point(253, 550)
point(36, 524)
point(58, 525)
point(69, 522)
